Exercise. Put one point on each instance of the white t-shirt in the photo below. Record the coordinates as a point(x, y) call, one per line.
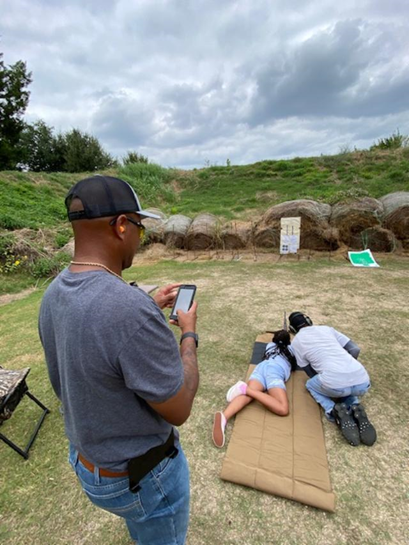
point(322, 347)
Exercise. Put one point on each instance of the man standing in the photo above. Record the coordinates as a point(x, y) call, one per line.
point(339, 376)
point(117, 369)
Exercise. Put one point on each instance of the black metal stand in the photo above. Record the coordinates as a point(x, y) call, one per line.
point(24, 452)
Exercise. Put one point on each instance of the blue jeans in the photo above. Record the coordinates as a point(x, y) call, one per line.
point(156, 515)
point(323, 395)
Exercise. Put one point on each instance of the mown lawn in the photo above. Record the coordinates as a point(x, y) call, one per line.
point(41, 502)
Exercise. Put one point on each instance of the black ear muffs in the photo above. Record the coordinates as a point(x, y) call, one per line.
point(308, 319)
point(299, 321)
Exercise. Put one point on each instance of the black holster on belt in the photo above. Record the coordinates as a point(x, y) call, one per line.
point(140, 466)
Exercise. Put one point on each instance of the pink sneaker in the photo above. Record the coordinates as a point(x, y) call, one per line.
point(239, 389)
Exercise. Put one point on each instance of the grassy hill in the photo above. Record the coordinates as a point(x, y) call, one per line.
point(35, 200)
point(238, 191)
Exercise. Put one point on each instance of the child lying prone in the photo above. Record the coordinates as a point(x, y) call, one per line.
point(266, 385)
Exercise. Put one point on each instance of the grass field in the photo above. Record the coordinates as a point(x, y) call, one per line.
point(41, 502)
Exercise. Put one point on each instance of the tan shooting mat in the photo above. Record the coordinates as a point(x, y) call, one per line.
point(284, 456)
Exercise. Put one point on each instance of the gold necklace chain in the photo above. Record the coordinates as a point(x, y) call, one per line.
point(98, 265)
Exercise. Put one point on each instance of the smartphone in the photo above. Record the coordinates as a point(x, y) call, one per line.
point(184, 299)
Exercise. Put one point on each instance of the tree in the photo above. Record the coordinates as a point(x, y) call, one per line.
point(74, 151)
point(40, 150)
point(14, 80)
point(85, 153)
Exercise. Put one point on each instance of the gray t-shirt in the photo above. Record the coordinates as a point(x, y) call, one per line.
point(108, 350)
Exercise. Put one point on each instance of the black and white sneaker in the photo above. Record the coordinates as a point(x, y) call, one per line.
point(366, 430)
point(346, 424)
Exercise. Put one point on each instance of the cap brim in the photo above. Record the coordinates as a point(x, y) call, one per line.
point(145, 214)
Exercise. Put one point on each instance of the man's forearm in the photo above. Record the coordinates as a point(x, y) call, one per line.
point(188, 353)
point(352, 349)
point(177, 409)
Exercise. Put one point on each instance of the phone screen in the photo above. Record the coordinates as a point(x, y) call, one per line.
point(184, 299)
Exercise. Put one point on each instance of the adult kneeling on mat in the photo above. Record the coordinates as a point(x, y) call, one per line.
point(339, 376)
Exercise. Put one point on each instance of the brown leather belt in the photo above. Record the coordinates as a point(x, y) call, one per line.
point(102, 472)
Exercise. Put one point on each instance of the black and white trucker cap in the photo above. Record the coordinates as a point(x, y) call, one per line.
point(104, 196)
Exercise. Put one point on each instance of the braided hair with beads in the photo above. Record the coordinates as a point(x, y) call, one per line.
point(282, 340)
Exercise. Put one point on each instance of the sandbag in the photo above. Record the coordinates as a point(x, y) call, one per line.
point(396, 215)
point(235, 235)
point(376, 239)
point(266, 237)
point(316, 233)
point(203, 233)
point(155, 228)
point(175, 231)
point(311, 211)
point(352, 218)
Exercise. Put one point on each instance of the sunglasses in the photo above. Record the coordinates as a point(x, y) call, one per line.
point(137, 223)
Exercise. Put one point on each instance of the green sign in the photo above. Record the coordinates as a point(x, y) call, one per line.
point(362, 259)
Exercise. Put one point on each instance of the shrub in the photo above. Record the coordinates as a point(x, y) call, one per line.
point(395, 141)
point(62, 237)
point(282, 165)
point(6, 243)
point(151, 182)
point(11, 221)
point(397, 175)
point(349, 194)
point(133, 157)
point(345, 149)
point(49, 266)
point(10, 263)
point(20, 252)
point(10, 260)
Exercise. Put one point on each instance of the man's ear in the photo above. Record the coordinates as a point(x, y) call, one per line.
point(119, 226)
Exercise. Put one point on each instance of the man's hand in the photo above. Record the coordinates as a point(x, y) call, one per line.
point(165, 297)
point(187, 320)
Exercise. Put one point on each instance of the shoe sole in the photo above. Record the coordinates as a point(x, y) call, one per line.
point(366, 430)
point(218, 433)
point(348, 433)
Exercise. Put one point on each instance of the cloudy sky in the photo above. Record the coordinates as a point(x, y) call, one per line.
point(193, 82)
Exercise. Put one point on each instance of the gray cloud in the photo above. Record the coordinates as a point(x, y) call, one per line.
point(189, 82)
point(341, 72)
point(121, 119)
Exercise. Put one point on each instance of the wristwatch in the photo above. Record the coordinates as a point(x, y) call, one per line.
point(194, 336)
